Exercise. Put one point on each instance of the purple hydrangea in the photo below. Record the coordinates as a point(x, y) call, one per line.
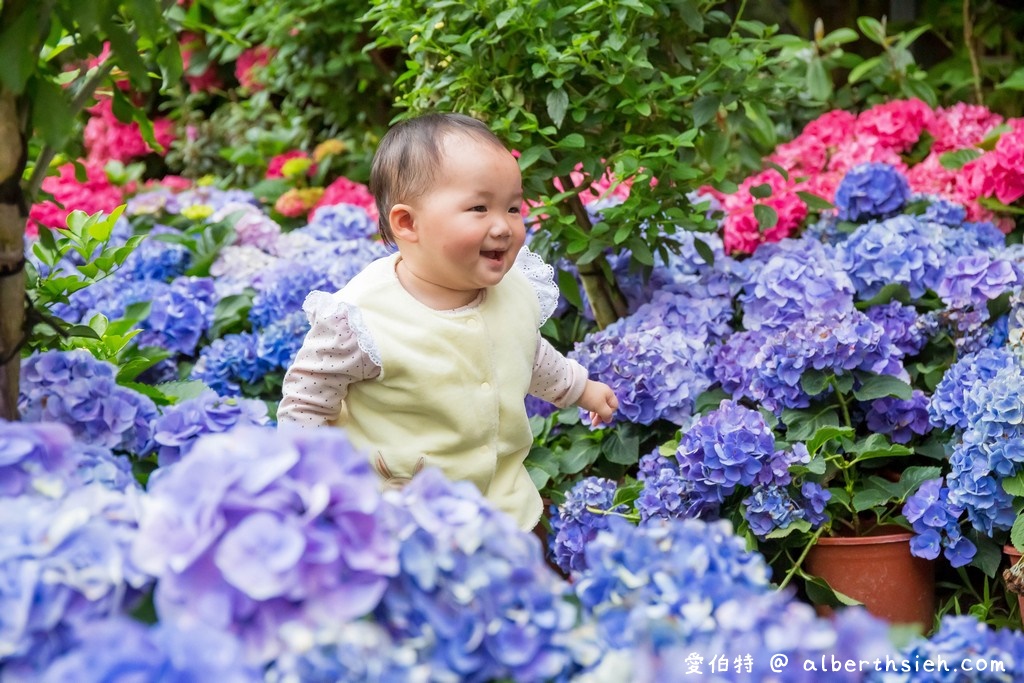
point(473, 591)
point(895, 251)
point(941, 210)
point(207, 195)
point(282, 291)
point(772, 507)
point(176, 431)
point(666, 495)
point(578, 519)
point(936, 524)
point(903, 325)
point(974, 279)
point(899, 419)
point(111, 649)
point(156, 259)
point(76, 389)
point(830, 345)
point(256, 529)
point(252, 226)
point(947, 406)
point(871, 190)
point(798, 280)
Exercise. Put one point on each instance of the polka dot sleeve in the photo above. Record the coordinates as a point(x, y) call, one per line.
point(330, 360)
point(556, 379)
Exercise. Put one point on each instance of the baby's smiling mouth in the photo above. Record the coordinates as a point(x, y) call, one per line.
point(494, 255)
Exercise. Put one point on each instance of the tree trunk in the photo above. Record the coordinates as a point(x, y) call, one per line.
point(12, 249)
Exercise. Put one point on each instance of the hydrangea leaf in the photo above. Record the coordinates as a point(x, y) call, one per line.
point(877, 386)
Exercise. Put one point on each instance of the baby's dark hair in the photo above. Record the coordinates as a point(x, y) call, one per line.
point(409, 156)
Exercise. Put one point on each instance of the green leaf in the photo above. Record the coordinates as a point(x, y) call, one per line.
point(182, 391)
point(572, 141)
point(704, 251)
point(83, 331)
point(825, 434)
point(558, 103)
point(863, 69)
point(51, 113)
point(814, 202)
point(704, 109)
point(819, 85)
point(766, 217)
point(627, 494)
point(622, 448)
point(171, 66)
point(1014, 485)
point(530, 156)
point(1014, 81)
point(762, 191)
point(876, 386)
point(865, 500)
point(570, 289)
point(1017, 533)
point(813, 382)
point(872, 29)
point(19, 46)
point(820, 593)
point(890, 292)
point(957, 159)
point(796, 526)
point(802, 425)
point(710, 399)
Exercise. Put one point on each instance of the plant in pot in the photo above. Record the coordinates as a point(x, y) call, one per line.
point(838, 341)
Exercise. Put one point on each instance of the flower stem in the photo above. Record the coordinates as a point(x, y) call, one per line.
point(800, 560)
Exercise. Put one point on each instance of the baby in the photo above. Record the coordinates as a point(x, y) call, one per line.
point(426, 357)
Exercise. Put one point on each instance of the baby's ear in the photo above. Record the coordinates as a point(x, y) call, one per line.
point(403, 223)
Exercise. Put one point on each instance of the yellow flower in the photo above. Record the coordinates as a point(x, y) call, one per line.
point(329, 148)
point(296, 168)
point(197, 212)
point(296, 202)
point(207, 180)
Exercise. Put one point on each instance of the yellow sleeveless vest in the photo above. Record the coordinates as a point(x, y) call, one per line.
point(451, 387)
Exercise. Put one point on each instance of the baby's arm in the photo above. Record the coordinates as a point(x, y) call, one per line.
point(328, 362)
point(564, 382)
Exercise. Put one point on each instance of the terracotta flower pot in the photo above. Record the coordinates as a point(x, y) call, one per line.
point(879, 571)
point(1013, 556)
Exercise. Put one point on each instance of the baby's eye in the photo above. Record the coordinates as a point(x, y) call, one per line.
point(479, 208)
point(514, 209)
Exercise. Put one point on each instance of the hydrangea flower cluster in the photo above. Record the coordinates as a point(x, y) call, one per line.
point(871, 191)
point(899, 419)
point(473, 591)
point(76, 389)
point(974, 279)
point(63, 562)
point(936, 523)
point(586, 510)
point(257, 528)
point(957, 637)
point(229, 360)
point(106, 649)
point(175, 432)
point(899, 250)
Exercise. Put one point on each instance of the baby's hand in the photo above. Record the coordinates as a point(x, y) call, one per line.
point(600, 401)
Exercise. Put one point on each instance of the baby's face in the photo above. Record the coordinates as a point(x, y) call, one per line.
point(469, 223)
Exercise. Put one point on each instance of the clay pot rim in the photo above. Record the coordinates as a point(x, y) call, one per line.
point(885, 534)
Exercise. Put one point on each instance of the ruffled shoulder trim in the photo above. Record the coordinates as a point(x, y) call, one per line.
point(324, 306)
point(542, 278)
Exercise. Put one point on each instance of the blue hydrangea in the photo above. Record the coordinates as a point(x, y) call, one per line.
point(895, 251)
point(207, 195)
point(936, 524)
point(176, 431)
point(682, 569)
point(666, 495)
point(282, 291)
point(798, 280)
point(335, 222)
point(279, 342)
point(947, 405)
point(724, 449)
point(538, 407)
point(473, 591)
point(733, 365)
point(351, 652)
point(111, 649)
point(76, 389)
point(65, 563)
point(899, 419)
point(960, 637)
point(229, 360)
point(977, 490)
point(156, 259)
point(578, 519)
point(871, 190)
point(941, 210)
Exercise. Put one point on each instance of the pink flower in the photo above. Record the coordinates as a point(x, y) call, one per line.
point(95, 194)
point(804, 155)
point(741, 230)
point(862, 149)
point(607, 186)
point(198, 81)
point(106, 138)
point(1000, 173)
point(962, 125)
point(175, 183)
point(345, 191)
point(296, 202)
point(276, 164)
point(250, 64)
point(830, 128)
point(897, 125)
